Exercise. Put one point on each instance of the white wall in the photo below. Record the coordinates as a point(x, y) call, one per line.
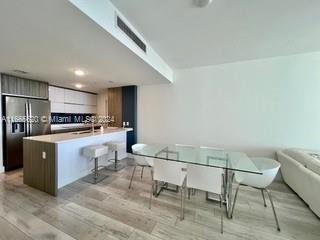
point(255, 106)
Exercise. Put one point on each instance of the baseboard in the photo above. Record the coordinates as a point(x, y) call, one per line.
point(1, 169)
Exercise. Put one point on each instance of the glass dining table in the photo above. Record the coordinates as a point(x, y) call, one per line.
point(230, 161)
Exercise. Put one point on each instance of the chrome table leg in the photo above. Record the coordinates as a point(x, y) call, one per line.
point(132, 176)
point(228, 194)
point(234, 201)
point(274, 211)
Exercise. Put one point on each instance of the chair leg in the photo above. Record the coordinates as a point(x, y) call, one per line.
point(142, 172)
point(264, 200)
point(221, 214)
point(152, 188)
point(115, 159)
point(182, 212)
point(234, 201)
point(189, 193)
point(132, 176)
point(96, 173)
point(151, 193)
point(184, 199)
point(274, 211)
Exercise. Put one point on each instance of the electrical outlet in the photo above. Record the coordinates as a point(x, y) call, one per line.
point(44, 155)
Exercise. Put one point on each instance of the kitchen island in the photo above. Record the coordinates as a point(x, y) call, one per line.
point(53, 161)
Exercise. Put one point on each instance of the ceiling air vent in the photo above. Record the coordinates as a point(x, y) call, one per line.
point(124, 27)
point(19, 71)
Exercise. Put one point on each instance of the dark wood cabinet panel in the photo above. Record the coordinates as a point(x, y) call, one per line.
point(8, 84)
point(34, 89)
point(43, 90)
point(122, 104)
point(38, 172)
point(24, 87)
point(115, 105)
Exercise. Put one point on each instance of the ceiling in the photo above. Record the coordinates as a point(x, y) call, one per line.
point(48, 39)
point(225, 31)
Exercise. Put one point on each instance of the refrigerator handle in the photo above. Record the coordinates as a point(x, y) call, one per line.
point(27, 119)
point(30, 123)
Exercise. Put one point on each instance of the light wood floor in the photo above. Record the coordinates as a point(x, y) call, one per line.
point(109, 210)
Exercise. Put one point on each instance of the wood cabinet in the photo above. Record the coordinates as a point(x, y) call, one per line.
point(39, 166)
point(43, 90)
point(23, 87)
point(115, 105)
point(122, 104)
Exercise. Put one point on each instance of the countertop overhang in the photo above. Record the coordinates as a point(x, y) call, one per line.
point(73, 136)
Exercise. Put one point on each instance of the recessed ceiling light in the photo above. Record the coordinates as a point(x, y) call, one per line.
point(78, 85)
point(79, 72)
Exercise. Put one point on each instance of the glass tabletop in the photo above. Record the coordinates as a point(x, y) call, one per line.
point(205, 156)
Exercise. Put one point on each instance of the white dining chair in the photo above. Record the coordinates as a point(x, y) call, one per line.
point(186, 146)
point(205, 154)
point(140, 161)
point(178, 145)
point(269, 169)
point(208, 179)
point(169, 172)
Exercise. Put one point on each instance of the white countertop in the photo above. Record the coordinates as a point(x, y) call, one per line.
point(71, 126)
point(72, 136)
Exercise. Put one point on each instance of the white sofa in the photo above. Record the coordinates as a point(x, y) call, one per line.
point(301, 171)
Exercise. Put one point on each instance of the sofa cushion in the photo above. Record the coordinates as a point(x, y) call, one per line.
point(297, 155)
point(315, 155)
point(314, 165)
point(308, 158)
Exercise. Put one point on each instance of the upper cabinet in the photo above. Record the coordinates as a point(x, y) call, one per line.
point(71, 96)
point(90, 99)
point(56, 94)
point(71, 101)
point(76, 97)
point(23, 87)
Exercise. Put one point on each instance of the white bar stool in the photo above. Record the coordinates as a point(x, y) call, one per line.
point(94, 152)
point(116, 146)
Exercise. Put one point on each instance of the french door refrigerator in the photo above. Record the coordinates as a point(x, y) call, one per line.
point(23, 117)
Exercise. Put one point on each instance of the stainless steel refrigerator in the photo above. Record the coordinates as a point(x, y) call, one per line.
point(22, 117)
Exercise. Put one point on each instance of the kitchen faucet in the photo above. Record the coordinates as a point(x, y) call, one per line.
point(92, 123)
